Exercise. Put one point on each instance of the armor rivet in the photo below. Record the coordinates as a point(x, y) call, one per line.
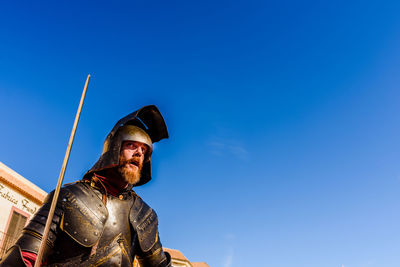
point(121, 197)
point(64, 199)
point(85, 239)
point(75, 232)
point(95, 233)
point(104, 217)
point(66, 224)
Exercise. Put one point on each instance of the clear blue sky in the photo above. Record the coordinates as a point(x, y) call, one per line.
point(283, 116)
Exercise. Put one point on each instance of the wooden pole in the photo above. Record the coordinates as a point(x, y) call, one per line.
point(60, 179)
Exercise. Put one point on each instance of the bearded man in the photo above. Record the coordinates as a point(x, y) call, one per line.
point(99, 220)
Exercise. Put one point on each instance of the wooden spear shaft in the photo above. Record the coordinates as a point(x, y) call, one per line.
point(60, 179)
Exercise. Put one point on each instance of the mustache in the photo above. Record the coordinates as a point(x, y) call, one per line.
point(134, 160)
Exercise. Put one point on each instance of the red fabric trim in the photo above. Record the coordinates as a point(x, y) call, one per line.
point(113, 186)
point(29, 258)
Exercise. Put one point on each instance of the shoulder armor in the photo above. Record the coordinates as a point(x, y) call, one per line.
point(84, 214)
point(144, 220)
point(33, 232)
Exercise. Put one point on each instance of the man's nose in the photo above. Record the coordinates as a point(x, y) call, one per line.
point(138, 152)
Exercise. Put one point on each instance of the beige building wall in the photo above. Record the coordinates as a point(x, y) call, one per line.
point(11, 200)
point(19, 200)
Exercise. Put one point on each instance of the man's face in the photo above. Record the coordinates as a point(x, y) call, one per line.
point(131, 160)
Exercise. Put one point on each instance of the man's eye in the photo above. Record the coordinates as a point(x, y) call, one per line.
point(130, 146)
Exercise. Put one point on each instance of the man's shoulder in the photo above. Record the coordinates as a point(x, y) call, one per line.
point(145, 221)
point(139, 205)
point(77, 189)
point(84, 213)
point(140, 209)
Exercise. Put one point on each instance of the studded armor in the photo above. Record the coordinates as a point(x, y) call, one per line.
point(93, 228)
point(89, 229)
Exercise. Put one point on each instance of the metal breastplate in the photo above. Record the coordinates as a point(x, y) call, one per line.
point(93, 234)
point(85, 231)
point(117, 228)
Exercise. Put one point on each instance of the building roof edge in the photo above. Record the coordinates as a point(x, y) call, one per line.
point(21, 183)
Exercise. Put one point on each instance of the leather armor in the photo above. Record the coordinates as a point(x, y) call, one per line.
point(90, 228)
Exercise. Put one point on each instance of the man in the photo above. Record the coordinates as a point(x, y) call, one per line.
point(100, 221)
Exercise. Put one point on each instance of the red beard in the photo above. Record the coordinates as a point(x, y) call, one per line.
point(131, 176)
